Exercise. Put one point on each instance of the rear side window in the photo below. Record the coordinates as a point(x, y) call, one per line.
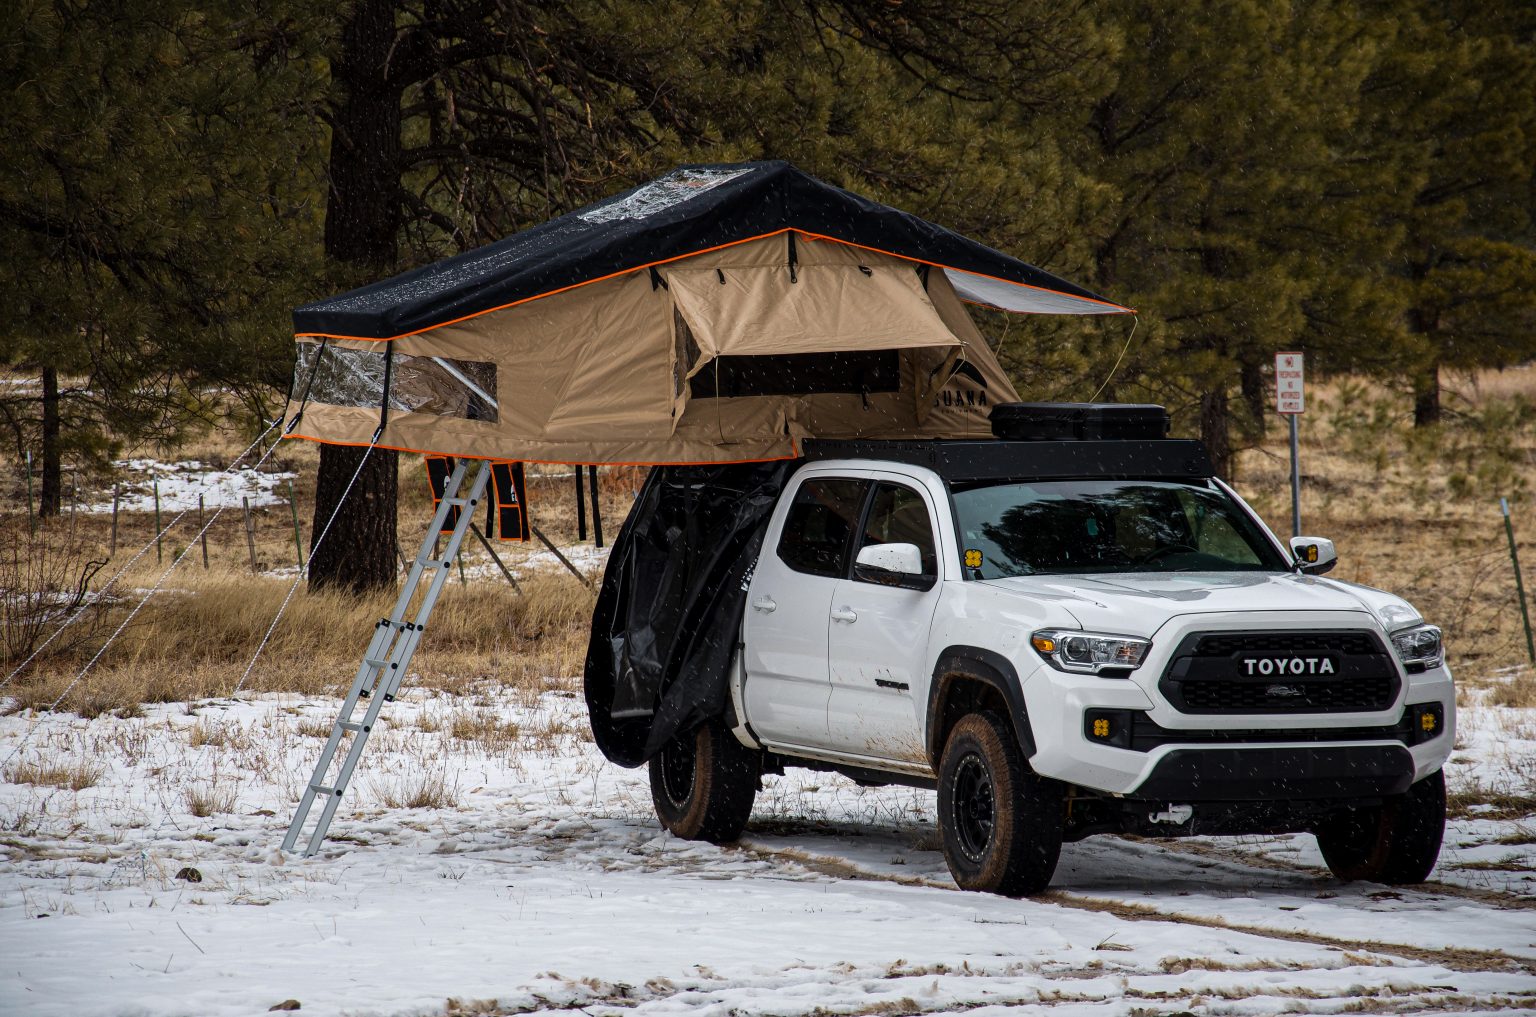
point(819, 528)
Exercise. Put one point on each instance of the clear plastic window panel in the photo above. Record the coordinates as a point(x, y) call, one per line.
point(439, 386)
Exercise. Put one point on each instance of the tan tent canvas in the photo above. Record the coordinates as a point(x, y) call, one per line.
point(733, 352)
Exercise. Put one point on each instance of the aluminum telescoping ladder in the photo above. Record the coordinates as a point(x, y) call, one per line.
point(389, 652)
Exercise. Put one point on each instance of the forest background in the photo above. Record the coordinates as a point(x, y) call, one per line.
point(1351, 178)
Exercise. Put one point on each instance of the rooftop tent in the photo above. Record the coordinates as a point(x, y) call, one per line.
point(717, 314)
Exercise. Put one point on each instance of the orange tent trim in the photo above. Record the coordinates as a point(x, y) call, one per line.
point(544, 462)
point(1119, 309)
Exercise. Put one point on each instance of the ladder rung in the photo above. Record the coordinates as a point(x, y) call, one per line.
point(322, 789)
point(375, 662)
point(350, 725)
point(457, 502)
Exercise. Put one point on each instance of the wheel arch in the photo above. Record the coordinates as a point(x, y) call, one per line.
point(964, 678)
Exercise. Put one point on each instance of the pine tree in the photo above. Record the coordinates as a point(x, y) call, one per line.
point(1450, 109)
point(148, 211)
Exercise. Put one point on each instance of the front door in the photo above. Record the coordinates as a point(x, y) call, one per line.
point(878, 639)
point(788, 606)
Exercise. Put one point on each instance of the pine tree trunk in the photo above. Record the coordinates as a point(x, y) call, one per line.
point(1256, 397)
point(359, 551)
point(50, 496)
point(1426, 397)
point(362, 222)
point(1215, 430)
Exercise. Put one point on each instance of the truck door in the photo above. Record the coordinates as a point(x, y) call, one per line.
point(878, 640)
point(788, 607)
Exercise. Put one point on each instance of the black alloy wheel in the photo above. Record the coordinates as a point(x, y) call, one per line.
point(1001, 822)
point(973, 807)
point(703, 784)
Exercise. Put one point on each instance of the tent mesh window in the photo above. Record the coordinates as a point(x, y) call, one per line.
point(437, 385)
point(853, 373)
point(685, 352)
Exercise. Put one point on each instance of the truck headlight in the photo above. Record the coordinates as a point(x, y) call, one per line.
point(1089, 652)
point(1418, 648)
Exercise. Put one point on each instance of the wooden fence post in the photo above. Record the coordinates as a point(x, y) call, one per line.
point(250, 531)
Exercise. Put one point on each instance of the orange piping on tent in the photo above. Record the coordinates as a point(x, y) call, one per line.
point(546, 462)
point(692, 254)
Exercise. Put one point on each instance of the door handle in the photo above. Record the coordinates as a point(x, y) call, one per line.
point(764, 604)
point(845, 614)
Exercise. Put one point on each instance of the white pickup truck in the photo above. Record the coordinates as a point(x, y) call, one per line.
point(1071, 637)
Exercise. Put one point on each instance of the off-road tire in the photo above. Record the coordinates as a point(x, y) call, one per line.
point(703, 783)
point(1396, 842)
point(1001, 823)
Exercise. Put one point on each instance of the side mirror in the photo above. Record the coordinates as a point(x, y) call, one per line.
point(1314, 555)
point(892, 565)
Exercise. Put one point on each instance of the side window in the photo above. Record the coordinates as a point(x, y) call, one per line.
point(898, 515)
point(820, 525)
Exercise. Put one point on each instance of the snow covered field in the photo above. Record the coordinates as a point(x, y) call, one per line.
point(536, 879)
point(181, 483)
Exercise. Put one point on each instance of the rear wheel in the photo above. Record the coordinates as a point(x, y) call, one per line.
point(703, 783)
point(1001, 823)
point(1396, 842)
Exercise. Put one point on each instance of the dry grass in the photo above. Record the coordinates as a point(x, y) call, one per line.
point(213, 734)
point(1413, 511)
point(211, 799)
point(197, 642)
point(1416, 511)
point(76, 775)
point(427, 790)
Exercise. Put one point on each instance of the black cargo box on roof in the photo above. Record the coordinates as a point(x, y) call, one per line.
point(1078, 421)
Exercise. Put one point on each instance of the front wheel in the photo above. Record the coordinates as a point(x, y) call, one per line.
point(1001, 823)
point(703, 783)
point(1396, 842)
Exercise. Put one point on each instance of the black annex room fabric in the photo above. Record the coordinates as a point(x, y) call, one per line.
point(690, 210)
point(668, 617)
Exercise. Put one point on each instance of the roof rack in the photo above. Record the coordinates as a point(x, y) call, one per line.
point(1001, 459)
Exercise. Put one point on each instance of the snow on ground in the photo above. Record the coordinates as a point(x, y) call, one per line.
point(541, 881)
point(182, 482)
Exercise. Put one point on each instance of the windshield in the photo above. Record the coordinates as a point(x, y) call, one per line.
point(1075, 526)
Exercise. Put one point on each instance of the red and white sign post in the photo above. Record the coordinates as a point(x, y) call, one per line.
point(1291, 400)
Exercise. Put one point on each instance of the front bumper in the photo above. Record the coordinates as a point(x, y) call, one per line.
point(1233, 756)
point(1278, 774)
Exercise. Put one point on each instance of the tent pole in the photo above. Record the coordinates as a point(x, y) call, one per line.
point(494, 556)
point(581, 508)
point(563, 559)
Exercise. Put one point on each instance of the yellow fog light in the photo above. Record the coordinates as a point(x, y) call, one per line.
point(1101, 728)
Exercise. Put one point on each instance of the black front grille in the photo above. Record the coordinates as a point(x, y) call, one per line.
point(1224, 644)
point(1210, 673)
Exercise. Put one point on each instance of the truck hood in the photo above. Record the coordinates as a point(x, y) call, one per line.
point(1140, 603)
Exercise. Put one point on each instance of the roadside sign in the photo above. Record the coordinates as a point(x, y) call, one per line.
point(1289, 371)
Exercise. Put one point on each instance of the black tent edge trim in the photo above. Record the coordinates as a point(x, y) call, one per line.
point(1116, 308)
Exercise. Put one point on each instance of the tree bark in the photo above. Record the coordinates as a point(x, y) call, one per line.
point(1256, 397)
point(1426, 397)
point(362, 224)
point(1215, 423)
point(358, 553)
point(51, 494)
